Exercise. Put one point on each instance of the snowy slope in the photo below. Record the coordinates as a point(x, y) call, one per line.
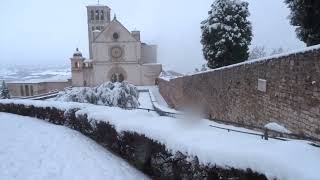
point(32, 149)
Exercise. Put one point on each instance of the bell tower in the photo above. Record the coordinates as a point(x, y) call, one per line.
point(98, 18)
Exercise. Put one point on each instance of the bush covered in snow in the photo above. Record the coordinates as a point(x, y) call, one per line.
point(123, 95)
point(226, 33)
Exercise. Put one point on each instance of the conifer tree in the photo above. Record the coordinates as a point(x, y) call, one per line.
point(226, 33)
point(4, 91)
point(305, 15)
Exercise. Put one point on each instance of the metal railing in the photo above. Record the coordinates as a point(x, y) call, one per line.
point(267, 133)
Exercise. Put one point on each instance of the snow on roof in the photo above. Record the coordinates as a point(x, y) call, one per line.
point(194, 137)
point(168, 75)
point(87, 61)
point(59, 78)
point(151, 64)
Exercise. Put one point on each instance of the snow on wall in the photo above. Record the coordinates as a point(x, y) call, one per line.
point(277, 127)
point(276, 159)
point(290, 96)
point(253, 61)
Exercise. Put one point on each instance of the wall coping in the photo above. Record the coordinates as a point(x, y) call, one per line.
point(255, 61)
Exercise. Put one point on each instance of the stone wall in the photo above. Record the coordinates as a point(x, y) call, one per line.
point(151, 157)
point(292, 96)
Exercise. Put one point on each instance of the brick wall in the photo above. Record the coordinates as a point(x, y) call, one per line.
point(292, 96)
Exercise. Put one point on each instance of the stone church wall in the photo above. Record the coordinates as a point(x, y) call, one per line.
point(148, 54)
point(236, 93)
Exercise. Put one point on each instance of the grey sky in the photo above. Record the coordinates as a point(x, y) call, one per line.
point(47, 32)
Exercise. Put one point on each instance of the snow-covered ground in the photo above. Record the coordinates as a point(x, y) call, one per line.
point(33, 149)
point(145, 101)
point(154, 93)
point(285, 160)
point(35, 74)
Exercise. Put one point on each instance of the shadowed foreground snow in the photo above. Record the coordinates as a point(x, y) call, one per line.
point(32, 149)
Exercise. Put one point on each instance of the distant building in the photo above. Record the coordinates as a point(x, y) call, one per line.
point(36, 87)
point(116, 54)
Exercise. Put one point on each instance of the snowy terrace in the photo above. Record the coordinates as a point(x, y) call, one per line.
point(32, 149)
point(193, 136)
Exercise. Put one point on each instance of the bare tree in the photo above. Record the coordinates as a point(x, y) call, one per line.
point(277, 51)
point(257, 52)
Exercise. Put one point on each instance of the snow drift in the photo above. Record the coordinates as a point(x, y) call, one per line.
point(123, 95)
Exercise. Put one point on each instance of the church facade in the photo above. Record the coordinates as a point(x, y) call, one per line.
point(116, 54)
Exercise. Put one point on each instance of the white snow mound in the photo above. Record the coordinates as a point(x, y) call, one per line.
point(277, 127)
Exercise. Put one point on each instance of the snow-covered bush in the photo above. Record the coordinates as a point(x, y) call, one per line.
point(226, 33)
point(123, 95)
point(4, 91)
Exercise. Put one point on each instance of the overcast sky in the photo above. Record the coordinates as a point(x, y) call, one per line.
point(43, 32)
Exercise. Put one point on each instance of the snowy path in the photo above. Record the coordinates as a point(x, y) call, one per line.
point(156, 94)
point(145, 101)
point(32, 149)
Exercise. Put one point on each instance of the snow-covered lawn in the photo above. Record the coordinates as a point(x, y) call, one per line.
point(32, 149)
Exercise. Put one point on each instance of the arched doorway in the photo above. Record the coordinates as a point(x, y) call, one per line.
point(117, 77)
point(117, 74)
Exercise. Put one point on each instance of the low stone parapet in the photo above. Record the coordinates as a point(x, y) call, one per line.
point(147, 155)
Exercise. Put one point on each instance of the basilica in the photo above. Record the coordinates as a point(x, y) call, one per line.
point(116, 54)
